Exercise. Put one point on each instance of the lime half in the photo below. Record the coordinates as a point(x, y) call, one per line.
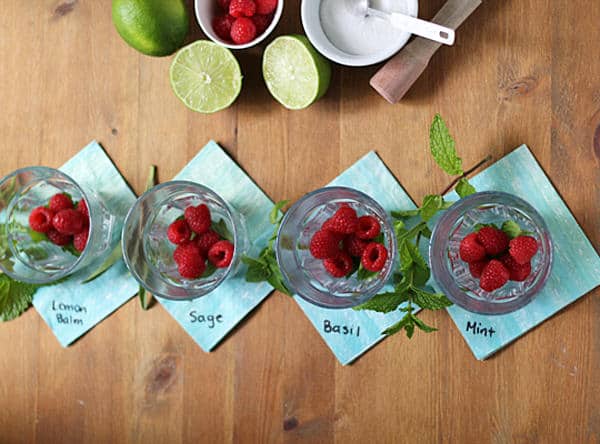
point(206, 76)
point(295, 73)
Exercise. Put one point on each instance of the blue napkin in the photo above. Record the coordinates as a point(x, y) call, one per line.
point(347, 332)
point(71, 308)
point(208, 319)
point(576, 269)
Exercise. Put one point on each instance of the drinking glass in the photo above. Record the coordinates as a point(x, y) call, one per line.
point(148, 252)
point(452, 274)
point(303, 274)
point(28, 256)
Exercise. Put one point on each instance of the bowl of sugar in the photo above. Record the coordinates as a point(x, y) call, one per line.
point(342, 32)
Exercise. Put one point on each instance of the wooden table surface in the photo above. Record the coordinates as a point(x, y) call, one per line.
point(520, 72)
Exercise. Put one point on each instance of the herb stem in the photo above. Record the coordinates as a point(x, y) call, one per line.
point(465, 174)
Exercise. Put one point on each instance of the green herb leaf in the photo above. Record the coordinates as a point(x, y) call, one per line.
point(114, 256)
point(145, 298)
point(363, 274)
point(398, 326)
point(511, 228)
point(383, 302)
point(209, 271)
point(422, 325)
point(430, 301)
point(478, 227)
point(15, 297)
point(222, 230)
point(275, 216)
point(416, 256)
point(426, 232)
point(464, 188)
point(443, 148)
point(431, 205)
point(151, 179)
point(403, 214)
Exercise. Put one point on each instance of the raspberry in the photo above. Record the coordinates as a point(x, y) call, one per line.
point(221, 254)
point(198, 218)
point(242, 8)
point(470, 249)
point(374, 257)
point(58, 238)
point(368, 227)
point(262, 22)
point(222, 26)
point(179, 232)
point(339, 266)
point(69, 222)
point(243, 31)
point(355, 246)
point(344, 221)
point(523, 248)
point(518, 272)
point(494, 241)
point(207, 240)
point(265, 6)
point(82, 208)
point(59, 202)
point(324, 245)
point(476, 268)
point(190, 262)
point(493, 276)
point(80, 240)
point(40, 219)
point(224, 4)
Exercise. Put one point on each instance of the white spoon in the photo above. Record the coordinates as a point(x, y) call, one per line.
point(422, 28)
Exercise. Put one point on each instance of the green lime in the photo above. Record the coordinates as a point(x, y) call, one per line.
point(206, 76)
point(153, 27)
point(295, 73)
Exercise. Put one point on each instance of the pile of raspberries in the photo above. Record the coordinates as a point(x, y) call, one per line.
point(243, 20)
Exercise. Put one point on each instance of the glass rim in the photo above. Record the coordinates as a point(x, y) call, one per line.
point(134, 208)
point(70, 269)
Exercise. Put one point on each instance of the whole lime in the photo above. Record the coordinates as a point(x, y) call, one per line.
point(153, 27)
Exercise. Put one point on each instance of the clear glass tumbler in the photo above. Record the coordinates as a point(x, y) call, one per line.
point(303, 274)
point(30, 257)
point(148, 252)
point(452, 274)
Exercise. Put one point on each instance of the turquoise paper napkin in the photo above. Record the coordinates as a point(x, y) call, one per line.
point(72, 308)
point(347, 332)
point(576, 269)
point(208, 319)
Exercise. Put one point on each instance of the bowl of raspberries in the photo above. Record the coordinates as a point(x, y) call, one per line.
point(181, 240)
point(491, 253)
point(238, 24)
point(336, 247)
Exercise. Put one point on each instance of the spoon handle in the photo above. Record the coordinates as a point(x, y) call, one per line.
point(423, 28)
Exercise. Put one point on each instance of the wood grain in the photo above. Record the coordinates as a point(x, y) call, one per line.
point(521, 72)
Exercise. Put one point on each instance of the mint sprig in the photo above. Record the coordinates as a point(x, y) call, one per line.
point(264, 267)
point(410, 291)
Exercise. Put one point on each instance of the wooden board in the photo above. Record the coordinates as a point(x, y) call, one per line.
point(520, 72)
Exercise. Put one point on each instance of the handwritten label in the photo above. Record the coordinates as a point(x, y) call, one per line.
point(69, 313)
point(477, 329)
point(210, 320)
point(344, 330)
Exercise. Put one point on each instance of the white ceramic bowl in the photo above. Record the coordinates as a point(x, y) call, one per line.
point(206, 10)
point(311, 20)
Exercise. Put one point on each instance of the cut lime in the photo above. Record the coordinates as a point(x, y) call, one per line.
point(206, 76)
point(295, 73)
